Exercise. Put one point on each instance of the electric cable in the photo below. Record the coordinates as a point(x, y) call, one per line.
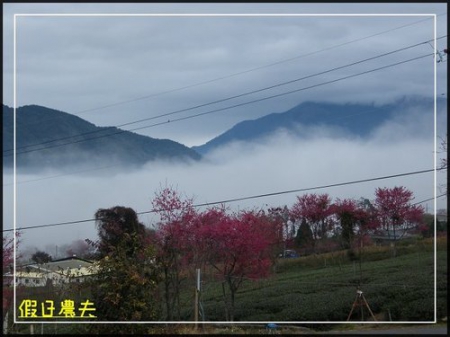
point(246, 198)
point(199, 114)
point(231, 97)
point(255, 68)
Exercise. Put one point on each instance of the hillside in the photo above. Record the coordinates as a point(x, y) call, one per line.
point(352, 119)
point(323, 287)
point(48, 138)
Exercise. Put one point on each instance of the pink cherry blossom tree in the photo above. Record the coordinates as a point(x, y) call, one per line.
point(172, 239)
point(316, 210)
point(395, 213)
point(237, 246)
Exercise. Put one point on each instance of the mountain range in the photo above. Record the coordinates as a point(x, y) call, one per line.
point(48, 138)
point(352, 119)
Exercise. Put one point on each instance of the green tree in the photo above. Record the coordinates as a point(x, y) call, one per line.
point(277, 218)
point(41, 257)
point(428, 228)
point(125, 287)
point(304, 237)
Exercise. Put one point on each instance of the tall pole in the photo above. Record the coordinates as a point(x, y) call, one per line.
point(196, 309)
point(197, 292)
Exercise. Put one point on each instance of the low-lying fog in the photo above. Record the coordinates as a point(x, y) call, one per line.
point(280, 163)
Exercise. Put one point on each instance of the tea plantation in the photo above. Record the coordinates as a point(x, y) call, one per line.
point(322, 288)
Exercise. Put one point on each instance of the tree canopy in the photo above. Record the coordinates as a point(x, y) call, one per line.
point(124, 288)
point(41, 257)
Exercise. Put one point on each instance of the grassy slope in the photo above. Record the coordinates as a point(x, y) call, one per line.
point(323, 288)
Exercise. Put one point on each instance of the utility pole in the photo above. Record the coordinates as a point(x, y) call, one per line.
point(196, 305)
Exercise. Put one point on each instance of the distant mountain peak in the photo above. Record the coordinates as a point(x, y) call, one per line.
point(48, 138)
point(358, 119)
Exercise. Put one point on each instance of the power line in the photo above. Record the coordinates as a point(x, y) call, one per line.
point(279, 84)
point(246, 198)
point(252, 69)
point(213, 102)
point(310, 188)
point(282, 94)
point(429, 199)
point(205, 104)
point(217, 110)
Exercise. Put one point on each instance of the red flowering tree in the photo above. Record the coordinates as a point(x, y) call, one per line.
point(8, 251)
point(237, 247)
point(352, 220)
point(395, 213)
point(173, 240)
point(8, 260)
point(355, 220)
point(315, 210)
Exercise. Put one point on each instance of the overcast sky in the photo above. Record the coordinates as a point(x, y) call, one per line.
point(115, 70)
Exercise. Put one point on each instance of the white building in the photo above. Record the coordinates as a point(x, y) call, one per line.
point(67, 270)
